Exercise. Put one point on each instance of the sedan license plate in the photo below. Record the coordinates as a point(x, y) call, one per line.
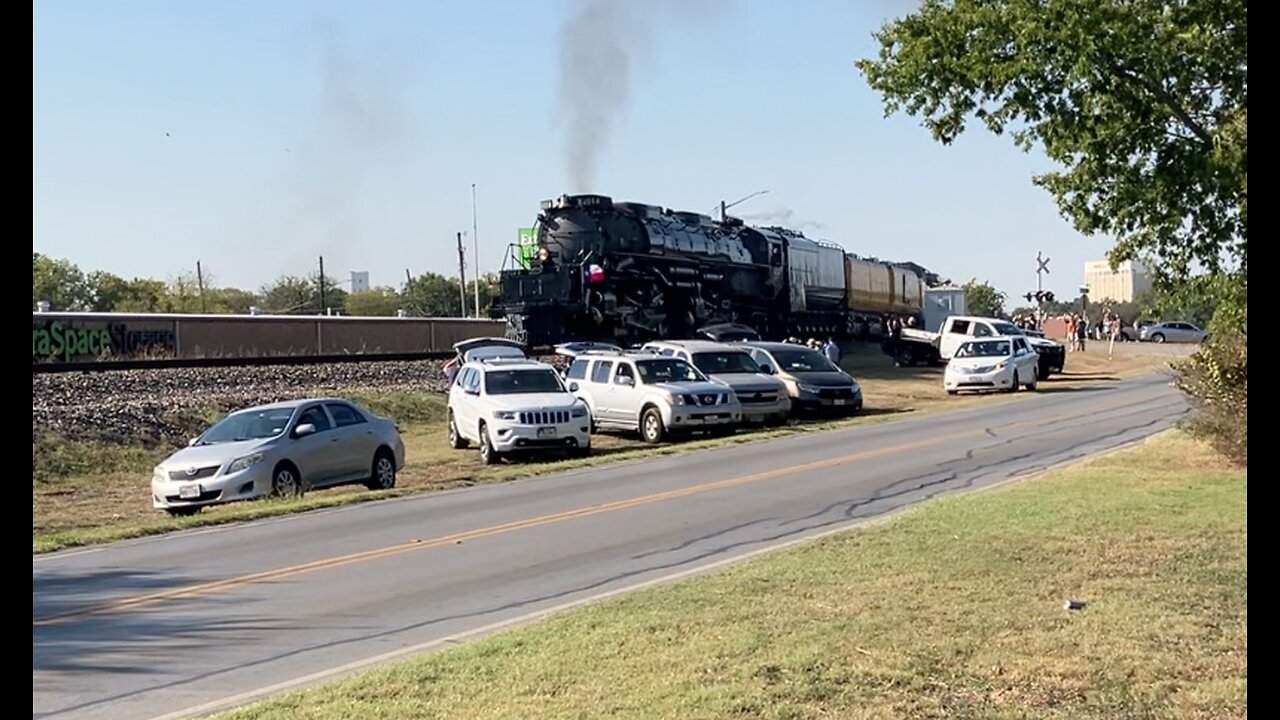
point(974, 379)
point(546, 432)
point(189, 492)
point(840, 401)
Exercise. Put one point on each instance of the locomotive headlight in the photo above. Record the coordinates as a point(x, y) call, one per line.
point(544, 254)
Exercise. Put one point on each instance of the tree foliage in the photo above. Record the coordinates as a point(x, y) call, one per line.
point(68, 288)
point(1143, 103)
point(983, 299)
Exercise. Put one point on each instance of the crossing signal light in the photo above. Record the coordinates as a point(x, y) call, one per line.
point(1039, 296)
point(1048, 296)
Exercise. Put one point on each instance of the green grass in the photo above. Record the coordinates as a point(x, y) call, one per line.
point(952, 610)
point(85, 493)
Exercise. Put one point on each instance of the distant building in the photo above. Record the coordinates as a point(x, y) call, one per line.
point(1122, 285)
point(359, 281)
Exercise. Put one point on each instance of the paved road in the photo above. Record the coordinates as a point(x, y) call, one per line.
point(170, 626)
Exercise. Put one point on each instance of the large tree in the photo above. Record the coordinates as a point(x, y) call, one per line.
point(1143, 104)
point(374, 302)
point(983, 299)
point(59, 282)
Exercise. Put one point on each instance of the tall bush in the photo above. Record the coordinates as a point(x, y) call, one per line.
point(1216, 381)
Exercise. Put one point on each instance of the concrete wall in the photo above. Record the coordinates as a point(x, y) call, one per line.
point(71, 337)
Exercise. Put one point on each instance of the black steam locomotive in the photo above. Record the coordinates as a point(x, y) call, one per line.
point(629, 272)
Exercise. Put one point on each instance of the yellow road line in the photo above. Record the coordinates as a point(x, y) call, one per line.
point(200, 589)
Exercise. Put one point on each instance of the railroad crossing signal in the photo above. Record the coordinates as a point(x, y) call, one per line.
point(1043, 263)
point(1040, 296)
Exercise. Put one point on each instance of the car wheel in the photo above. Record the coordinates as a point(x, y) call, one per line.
point(286, 481)
point(1032, 385)
point(186, 511)
point(456, 441)
point(488, 455)
point(580, 452)
point(651, 428)
point(1157, 338)
point(382, 475)
point(1013, 386)
point(906, 358)
point(953, 392)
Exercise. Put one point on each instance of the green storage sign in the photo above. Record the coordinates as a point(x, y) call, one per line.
point(527, 246)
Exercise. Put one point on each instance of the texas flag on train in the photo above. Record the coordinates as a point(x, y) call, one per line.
point(593, 274)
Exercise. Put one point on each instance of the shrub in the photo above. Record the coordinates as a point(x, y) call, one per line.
point(1216, 381)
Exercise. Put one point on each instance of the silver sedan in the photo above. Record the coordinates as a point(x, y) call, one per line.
point(280, 449)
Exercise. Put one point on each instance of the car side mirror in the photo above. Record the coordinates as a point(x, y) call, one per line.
point(573, 387)
point(627, 381)
point(304, 429)
point(193, 441)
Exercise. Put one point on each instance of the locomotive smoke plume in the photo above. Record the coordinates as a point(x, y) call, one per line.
point(601, 44)
point(596, 47)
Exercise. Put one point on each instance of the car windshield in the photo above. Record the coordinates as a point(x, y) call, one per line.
point(725, 363)
point(248, 425)
point(799, 361)
point(666, 370)
point(521, 382)
point(983, 348)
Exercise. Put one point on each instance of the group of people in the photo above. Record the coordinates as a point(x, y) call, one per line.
point(1079, 329)
point(829, 348)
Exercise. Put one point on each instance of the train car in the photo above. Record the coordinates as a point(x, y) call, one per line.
point(908, 292)
point(870, 286)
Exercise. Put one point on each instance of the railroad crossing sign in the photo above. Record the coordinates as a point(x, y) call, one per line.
point(1043, 263)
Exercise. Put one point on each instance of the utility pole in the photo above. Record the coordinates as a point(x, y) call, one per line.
point(462, 278)
point(724, 210)
point(200, 284)
point(324, 302)
point(475, 242)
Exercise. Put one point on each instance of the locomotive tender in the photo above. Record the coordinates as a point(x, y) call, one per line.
point(630, 272)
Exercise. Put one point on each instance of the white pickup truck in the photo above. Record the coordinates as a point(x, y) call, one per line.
point(913, 346)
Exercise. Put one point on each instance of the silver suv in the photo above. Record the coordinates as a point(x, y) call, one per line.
point(653, 395)
point(764, 397)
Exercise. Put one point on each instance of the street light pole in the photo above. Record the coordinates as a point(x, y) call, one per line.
point(475, 242)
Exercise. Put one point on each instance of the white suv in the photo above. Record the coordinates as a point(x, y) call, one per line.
point(764, 398)
point(515, 405)
point(654, 395)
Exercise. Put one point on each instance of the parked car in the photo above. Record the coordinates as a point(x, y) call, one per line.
point(1174, 332)
point(656, 396)
point(280, 449)
point(992, 363)
point(508, 405)
point(922, 346)
point(812, 381)
point(763, 396)
point(729, 332)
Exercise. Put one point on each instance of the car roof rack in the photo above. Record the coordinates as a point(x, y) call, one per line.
point(507, 361)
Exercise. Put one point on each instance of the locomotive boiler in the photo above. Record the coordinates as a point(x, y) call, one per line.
point(630, 272)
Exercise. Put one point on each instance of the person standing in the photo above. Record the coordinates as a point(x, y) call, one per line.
point(832, 351)
point(1082, 332)
point(1113, 326)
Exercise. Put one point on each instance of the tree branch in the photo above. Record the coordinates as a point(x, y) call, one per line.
point(1163, 96)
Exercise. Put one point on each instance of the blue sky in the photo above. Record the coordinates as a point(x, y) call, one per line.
point(256, 136)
